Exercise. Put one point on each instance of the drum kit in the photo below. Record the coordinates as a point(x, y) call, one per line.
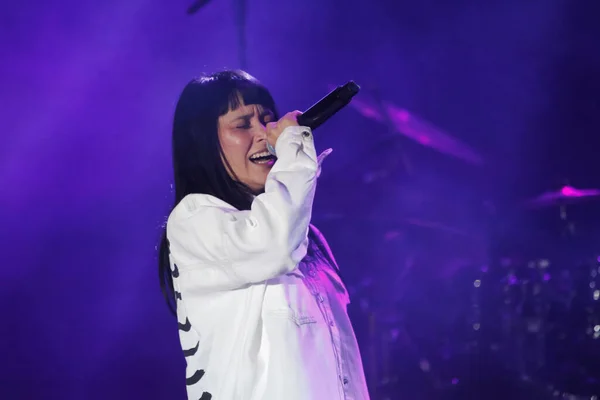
point(529, 309)
point(545, 300)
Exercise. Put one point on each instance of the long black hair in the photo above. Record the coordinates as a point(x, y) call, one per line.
point(198, 164)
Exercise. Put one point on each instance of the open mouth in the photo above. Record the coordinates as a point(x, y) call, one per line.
point(264, 157)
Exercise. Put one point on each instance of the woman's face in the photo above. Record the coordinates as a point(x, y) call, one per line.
point(243, 138)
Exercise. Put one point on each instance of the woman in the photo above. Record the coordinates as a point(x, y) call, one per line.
point(260, 306)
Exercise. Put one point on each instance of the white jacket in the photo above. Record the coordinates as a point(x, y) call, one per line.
point(255, 322)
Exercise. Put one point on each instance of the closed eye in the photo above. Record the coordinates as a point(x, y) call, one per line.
point(245, 123)
point(264, 118)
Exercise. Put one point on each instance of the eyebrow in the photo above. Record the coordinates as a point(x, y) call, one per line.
point(251, 114)
point(245, 116)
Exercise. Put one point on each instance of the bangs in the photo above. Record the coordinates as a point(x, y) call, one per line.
point(231, 89)
point(228, 90)
point(249, 95)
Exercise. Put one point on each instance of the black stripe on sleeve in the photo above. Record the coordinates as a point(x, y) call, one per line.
point(185, 326)
point(192, 351)
point(192, 380)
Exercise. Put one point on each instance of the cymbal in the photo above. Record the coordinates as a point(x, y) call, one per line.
point(566, 195)
point(415, 128)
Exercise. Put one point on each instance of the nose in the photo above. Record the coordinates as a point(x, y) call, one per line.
point(260, 132)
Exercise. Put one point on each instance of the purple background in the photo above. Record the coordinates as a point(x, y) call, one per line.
point(88, 93)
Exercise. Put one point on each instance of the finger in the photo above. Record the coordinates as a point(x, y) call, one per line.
point(271, 126)
point(284, 123)
point(289, 119)
point(294, 115)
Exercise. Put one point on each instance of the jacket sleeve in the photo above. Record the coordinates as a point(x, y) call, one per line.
point(224, 248)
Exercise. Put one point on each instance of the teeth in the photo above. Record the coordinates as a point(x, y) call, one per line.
point(261, 154)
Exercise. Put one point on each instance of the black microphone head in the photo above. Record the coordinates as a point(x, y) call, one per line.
point(352, 88)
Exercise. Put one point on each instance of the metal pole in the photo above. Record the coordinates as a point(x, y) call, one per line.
point(240, 24)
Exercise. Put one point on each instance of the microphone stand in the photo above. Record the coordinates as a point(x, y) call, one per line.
point(240, 23)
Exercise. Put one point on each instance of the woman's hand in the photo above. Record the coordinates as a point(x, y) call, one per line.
point(274, 129)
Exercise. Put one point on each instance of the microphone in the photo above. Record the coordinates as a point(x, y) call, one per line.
point(328, 106)
point(325, 108)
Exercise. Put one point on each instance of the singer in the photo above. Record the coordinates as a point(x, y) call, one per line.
point(260, 305)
